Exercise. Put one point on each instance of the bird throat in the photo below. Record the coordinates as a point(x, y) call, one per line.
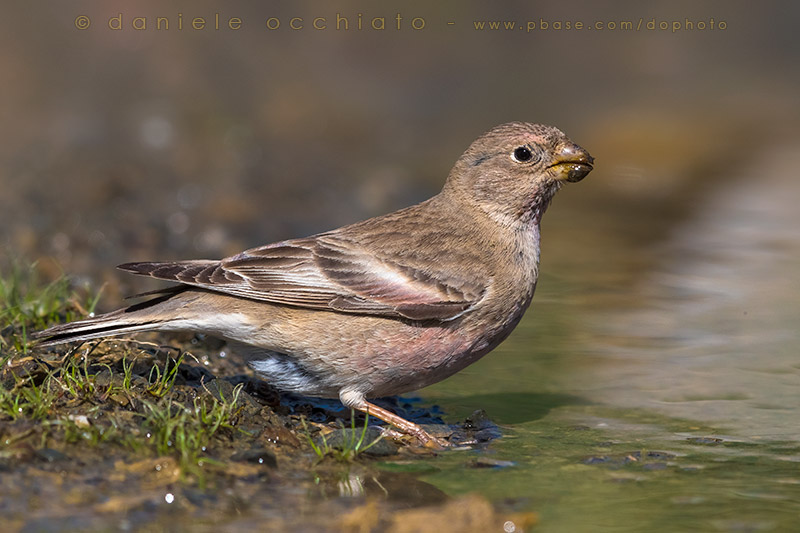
point(534, 207)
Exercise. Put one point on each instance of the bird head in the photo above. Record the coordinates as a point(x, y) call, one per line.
point(512, 171)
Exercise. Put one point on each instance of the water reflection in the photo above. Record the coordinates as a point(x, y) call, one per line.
point(358, 482)
point(716, 339)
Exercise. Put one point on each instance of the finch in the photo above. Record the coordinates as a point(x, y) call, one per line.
point(379, 307)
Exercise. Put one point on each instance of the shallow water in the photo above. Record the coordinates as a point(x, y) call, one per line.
point(665, 397)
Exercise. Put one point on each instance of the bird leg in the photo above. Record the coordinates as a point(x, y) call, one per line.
point(357, 401)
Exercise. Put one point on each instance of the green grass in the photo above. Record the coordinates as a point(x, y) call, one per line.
point(184, 431)
point(353, 442)
point(69, 406)
point(28, 401)
point(79, 430)
point(34, 397)
point(167, 426)
point(28, 303)
point(161, 382)
point(66, 401)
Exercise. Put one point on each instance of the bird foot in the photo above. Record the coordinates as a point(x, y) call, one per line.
point(405, 428)
point(425, 439)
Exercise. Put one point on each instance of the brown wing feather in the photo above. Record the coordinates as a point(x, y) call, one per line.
point(322, 272)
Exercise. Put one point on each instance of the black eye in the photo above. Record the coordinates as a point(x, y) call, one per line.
point(522, 154)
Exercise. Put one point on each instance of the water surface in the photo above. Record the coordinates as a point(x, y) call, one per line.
point(659, 398)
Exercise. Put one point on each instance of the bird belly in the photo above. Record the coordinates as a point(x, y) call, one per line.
point(319, 353)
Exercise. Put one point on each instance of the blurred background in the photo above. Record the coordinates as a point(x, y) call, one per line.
point(124, 145)
point(121, 145)
point(670, 275)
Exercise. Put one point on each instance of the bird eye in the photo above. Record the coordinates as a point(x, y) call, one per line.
point(522, 154)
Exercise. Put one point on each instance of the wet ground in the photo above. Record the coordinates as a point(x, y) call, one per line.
point(138, 436)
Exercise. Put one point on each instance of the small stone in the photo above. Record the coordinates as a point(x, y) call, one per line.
point(477, 420)
point(441, 431)
point(705, 440)
point(487, 462)
point(103, 378)
point(120, 398)
point(660, 455)
point(50, 455)
point(80, 420)
point(487, 434)
point(261, 456)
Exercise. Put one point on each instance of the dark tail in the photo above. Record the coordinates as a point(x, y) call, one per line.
point(128, 320)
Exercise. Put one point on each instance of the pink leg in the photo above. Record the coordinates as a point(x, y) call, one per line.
point(357, 401)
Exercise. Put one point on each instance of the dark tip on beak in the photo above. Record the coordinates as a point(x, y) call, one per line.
point(572, 162)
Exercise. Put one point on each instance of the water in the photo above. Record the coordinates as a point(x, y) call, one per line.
point(655, 386)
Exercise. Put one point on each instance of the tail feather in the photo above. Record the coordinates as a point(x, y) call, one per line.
point(53, 336)
point(120, 322)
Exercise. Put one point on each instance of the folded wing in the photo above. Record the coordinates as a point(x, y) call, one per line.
point(324, 272)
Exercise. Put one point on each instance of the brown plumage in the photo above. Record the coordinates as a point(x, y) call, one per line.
point(383, 306)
